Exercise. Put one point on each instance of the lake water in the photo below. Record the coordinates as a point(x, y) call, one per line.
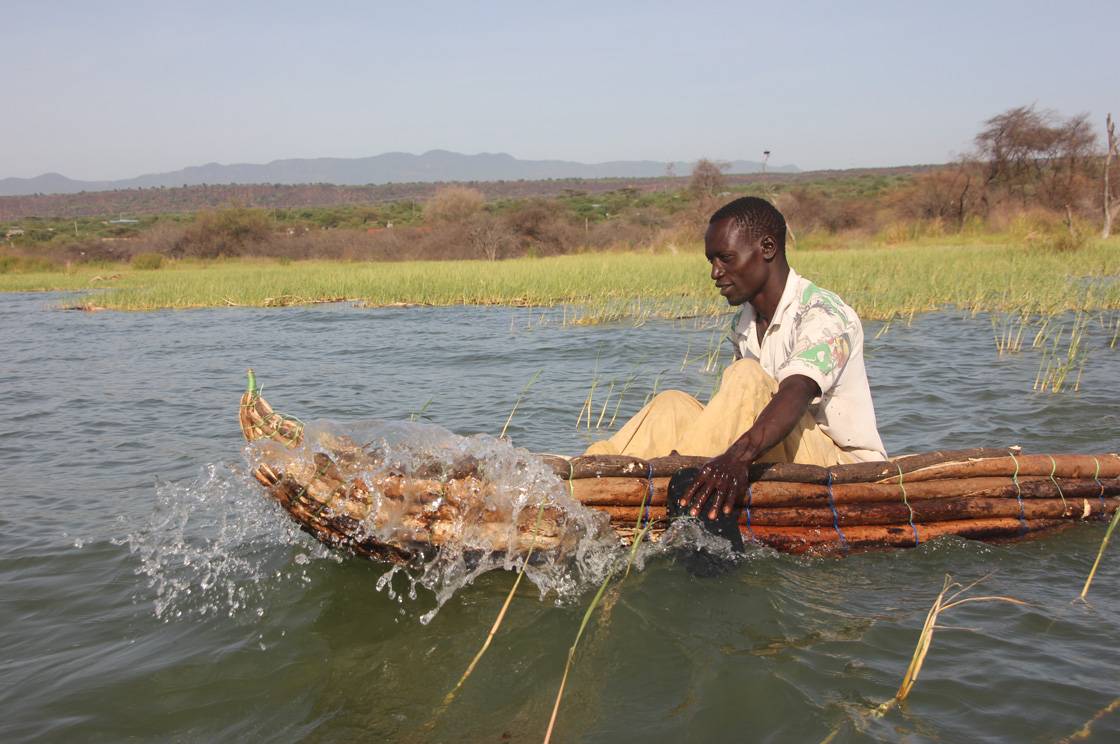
point(150, 592)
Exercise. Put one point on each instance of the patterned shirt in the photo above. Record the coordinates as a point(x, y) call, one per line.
point(815, 334)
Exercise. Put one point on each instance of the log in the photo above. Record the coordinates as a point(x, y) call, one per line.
point(925, 512)
point(940, 510)
point(619, 491)
point(622, 466)
point(862, 472)
point(823, 541)
point(1062, 466)
point(598, 492)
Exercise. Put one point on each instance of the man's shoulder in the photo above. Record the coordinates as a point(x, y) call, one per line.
point(811, 297)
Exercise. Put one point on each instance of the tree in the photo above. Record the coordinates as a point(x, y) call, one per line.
point(1110, 210)
point(707, 179)
point(454, 204)
point(1037, 156)
point(489, 237)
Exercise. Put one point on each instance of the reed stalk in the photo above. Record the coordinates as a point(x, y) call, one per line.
point(639, 535)
point(606, 402)
point(1100, 552)
point(498, 620)
point(1086, 730)
point(517, 403)
point(418, 414)
point(622, 395)
point(925, 637)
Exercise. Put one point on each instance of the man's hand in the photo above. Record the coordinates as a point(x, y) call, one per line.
point(720, 482)
point(724, 479)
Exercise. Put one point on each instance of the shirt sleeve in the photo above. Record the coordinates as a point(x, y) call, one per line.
point(823, 340)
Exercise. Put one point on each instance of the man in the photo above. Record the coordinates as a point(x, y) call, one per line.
point(797, 391)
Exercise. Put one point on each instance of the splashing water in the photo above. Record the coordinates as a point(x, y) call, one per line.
point(484, 502)
point(212, 546)
point(218, 543)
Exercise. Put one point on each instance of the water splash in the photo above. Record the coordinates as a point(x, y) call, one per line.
point(211, 546)
point(485, 503)
point(217, 544)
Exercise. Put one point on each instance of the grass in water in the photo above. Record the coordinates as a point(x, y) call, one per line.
point(1086, 730)
point(925, 638)
point(447, 700)
point(1056, 365)
point(517, 403)
point(941, 604)
point(450, 697)
point(1100, 553)
point(881, 282)
point(639, 535)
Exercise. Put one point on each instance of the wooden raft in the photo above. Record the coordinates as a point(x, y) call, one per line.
point(977, 493)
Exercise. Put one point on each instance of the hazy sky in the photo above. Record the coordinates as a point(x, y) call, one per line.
point(100, 90)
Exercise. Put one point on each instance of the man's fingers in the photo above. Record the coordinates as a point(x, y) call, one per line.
point(731, 496)
point(697, 484)
point(701, 496)
point(719, 498)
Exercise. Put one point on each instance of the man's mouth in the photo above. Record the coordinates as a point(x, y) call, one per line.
point(723, 288)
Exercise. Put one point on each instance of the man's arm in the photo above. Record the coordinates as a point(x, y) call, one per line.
point(722, 479)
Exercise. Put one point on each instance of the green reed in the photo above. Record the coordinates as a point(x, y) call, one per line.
point(1058, 363)
point(881, 282)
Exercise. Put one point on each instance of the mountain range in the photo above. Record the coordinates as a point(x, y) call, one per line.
point(393, 167)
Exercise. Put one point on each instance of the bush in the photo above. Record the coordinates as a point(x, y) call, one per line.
point(10, 264)
point(454, 204)
point(226, 232)
point(146, 261)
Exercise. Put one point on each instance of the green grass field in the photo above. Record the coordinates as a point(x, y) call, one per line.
point(881, 282)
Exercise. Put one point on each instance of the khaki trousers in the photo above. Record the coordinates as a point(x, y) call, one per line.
point(676, 421)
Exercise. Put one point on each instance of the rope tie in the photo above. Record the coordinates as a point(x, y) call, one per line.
point(1019, 494)
point(317, 509)
point(902, 487)
point(571, 475)
point(1054, 469)
point(275, 420)
point(835, 515)
point(1097, 480)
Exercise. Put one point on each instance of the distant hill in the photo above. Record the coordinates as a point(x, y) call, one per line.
point(134, 202)
point(393, 167)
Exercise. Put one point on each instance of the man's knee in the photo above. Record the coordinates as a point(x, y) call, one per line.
point(674, 400)
point(744, 371)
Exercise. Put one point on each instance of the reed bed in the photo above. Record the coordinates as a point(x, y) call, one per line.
point(882, 283)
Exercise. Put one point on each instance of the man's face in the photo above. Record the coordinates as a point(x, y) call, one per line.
point(739, 266)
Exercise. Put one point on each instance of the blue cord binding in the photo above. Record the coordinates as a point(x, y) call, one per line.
point(835, 516)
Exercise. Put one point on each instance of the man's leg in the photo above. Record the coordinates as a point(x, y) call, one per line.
point(744, 391)
point(654, 430)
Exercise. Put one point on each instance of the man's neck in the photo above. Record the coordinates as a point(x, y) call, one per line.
point(765, 303)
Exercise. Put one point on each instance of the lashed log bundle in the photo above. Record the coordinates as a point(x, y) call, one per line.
point(979, 493)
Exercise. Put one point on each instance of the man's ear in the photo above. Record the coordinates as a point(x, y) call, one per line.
point(769, 247)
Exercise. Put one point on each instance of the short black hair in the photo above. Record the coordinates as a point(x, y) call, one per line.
point(757, 217)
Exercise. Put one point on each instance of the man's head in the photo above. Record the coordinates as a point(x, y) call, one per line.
point(745, 243)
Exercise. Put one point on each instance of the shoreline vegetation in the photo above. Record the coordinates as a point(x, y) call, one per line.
point(1020, 226)
point(988, 274)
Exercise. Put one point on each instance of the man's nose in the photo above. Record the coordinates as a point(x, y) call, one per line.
point(717, 271)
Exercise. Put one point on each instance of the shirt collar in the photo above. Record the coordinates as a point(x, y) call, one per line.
point(745, 320)
point(746, 316)
point(789, 296)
